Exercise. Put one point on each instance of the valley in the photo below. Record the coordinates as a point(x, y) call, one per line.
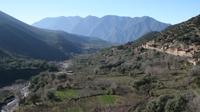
point(99, 64)
point(147, 75)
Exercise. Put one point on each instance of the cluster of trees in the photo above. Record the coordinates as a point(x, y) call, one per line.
point(13, 69)
point(21, 63)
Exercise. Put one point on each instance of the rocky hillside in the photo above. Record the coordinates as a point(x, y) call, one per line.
point(181, 40)
point(126, 78)
point(114, 29)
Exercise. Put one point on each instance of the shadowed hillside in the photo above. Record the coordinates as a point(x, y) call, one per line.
point(21, 39)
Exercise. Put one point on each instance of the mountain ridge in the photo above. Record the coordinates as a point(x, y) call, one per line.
point(115, 29)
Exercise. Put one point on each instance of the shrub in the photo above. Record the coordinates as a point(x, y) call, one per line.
point(34, 98)
point(51, 96)
point(158, 105)
point(61, 76)
point(197, 81)
point(144, 84)
point(37, 82)
point(176, 104)
point(167, 103)
point(195, 71)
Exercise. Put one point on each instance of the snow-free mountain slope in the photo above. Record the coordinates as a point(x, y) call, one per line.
point(111, 28)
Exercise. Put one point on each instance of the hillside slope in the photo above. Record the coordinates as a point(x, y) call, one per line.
point(181, 40)
point(21, 39)
point(114, 29)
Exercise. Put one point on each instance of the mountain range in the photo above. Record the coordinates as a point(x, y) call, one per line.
point(18, 38)
point(111, 28)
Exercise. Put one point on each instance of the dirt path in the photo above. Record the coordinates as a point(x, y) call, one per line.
point(189, 56)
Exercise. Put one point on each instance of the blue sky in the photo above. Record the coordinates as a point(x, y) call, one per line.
point(170, 11)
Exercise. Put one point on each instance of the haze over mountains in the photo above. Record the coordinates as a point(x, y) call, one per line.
point(111, 28)
point(18, 38)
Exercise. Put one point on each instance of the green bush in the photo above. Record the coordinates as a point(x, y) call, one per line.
point(195, 71)
point(51, 96)
point(176, 104)
point(144, 84)
point(196, 81)
point(158, 105)
point(167, 103)
point(37, 82)
point(34, 98)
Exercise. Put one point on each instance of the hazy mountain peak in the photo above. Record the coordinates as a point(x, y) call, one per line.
point(90, 16)
point(112, 28)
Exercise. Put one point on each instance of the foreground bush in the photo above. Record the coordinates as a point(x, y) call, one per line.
point(167, 103)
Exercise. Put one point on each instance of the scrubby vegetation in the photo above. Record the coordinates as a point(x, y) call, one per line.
point(129, 78)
